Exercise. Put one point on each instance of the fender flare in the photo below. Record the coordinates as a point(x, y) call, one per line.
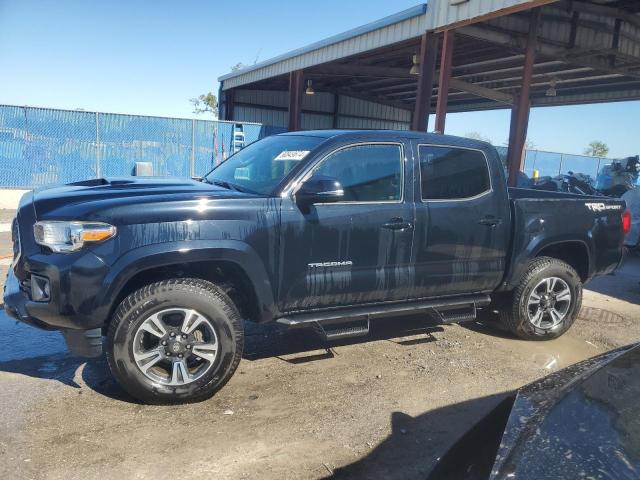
point(534, 248)
point(171, 253)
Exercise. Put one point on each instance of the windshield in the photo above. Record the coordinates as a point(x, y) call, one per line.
point(261, 166)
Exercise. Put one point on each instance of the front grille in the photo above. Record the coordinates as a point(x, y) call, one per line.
point(15, 238)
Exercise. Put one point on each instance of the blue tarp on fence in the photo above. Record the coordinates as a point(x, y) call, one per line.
point(40, 146)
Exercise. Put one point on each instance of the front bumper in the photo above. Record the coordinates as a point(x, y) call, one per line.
point(16, 300)
point(81, 342)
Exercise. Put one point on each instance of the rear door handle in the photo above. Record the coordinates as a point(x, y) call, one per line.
point(490, 221)
point(397, 224)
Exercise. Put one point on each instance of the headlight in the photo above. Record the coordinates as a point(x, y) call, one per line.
point(71, 236)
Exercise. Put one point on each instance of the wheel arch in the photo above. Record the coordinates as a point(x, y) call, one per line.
point(573, 252)
point(235, 267)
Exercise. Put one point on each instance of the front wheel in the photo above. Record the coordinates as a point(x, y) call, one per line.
point(545, 303)
point(175, 341)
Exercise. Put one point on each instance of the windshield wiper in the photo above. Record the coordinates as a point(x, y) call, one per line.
point(220, 183)
point(229, 186)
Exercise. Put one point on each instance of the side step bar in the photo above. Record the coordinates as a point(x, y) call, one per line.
point(450, 310)
point(339, 331)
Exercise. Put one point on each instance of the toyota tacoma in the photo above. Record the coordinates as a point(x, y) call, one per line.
point(321, 228)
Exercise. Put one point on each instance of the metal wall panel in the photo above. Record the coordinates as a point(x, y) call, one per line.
point(275, 118)
point(350, 106)
point(369, 123)
point(269, 108)
point(262, 97)
point(320, 102)
point(312, 121)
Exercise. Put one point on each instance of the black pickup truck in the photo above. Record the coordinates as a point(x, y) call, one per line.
point(320, 228)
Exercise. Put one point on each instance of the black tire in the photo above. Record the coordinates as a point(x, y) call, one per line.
point(189, 293)
point(514, 309)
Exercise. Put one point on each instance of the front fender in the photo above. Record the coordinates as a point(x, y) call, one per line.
point(171, 253)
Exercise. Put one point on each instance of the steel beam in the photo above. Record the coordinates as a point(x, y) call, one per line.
point(521, 116)
point(427, 59)
point(296, 84)
point(446, 62)
point(229, 103)
point(479, 91)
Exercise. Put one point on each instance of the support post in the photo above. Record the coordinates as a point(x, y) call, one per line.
point(446, 60)
point(229, 103)
point(98, 161)
point(296, 81)
point(427, 60)
point(192, 158)
point(520, 118)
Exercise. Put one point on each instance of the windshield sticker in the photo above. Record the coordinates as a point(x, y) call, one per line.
point(241, 173)
point(292, 155)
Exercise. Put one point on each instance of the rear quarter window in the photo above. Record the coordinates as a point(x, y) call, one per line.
point(452, 173)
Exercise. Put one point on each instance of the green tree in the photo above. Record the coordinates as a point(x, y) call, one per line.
point(597, 149)
point(205, 103)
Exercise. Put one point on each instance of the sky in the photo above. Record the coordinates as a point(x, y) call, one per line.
point(151, 57)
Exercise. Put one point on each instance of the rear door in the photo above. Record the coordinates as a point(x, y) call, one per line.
point(462, 218)
point(358, 250)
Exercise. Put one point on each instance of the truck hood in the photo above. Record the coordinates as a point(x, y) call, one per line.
point(90, 199)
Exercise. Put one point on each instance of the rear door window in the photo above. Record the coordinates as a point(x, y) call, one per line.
point(452, 173)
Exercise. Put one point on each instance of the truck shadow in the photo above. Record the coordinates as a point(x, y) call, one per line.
point(260, 342)
point(297, 346)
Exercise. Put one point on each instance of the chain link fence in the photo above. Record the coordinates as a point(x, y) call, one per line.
point(41, 146)
point(551, 164)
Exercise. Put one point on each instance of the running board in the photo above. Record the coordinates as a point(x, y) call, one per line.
point(340, 331)
point(449, 310)
point(464, 313)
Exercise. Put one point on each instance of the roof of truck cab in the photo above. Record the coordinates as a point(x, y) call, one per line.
point(436, 138)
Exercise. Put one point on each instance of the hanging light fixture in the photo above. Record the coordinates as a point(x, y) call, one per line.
point(310, 90)
point(552, 91)
point(415, 68)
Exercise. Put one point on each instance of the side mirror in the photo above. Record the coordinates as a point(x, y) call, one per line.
point(320, 190)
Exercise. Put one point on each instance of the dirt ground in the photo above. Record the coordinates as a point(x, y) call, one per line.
point(384, 406)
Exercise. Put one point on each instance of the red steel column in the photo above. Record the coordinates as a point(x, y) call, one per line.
point(427, 60)
point(523, 104)
point(229, 100)
point(446, 62)
point(296, 84)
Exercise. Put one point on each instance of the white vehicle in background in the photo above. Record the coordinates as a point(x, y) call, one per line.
point(632, 199)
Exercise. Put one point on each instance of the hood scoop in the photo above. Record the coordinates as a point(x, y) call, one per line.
point(96, 182)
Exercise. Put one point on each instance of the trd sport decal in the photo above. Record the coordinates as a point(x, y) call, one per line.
point(600, 207)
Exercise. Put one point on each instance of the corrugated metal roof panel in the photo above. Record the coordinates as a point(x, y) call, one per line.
point(395, 28)
point(441, 13)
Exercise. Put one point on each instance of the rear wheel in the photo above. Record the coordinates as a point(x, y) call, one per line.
point(545, 303)
point(175, 341)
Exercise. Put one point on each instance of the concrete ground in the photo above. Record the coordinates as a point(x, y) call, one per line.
point(386, 406)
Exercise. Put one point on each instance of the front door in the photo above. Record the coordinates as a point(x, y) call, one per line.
point(462, 220)
point(356, 251)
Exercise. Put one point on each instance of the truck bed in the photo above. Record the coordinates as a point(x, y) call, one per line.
point(591, 224)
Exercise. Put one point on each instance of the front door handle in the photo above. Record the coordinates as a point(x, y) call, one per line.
point(490, 221)
point(397, 223)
